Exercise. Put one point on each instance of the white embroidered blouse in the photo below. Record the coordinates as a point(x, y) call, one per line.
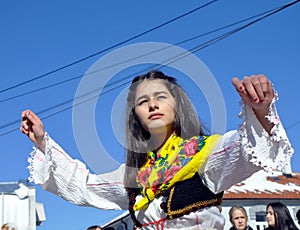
point(237, 155)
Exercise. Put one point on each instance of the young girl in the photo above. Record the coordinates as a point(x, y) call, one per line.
point(279, 217)
point(175, 174)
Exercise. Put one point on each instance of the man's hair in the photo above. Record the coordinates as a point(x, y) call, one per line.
point(237, 207)
point(94, 227)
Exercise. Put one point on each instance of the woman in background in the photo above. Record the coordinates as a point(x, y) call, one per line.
point(279, 217)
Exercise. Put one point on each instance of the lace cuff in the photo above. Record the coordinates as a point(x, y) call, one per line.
point(271, 152)
point(39, 163)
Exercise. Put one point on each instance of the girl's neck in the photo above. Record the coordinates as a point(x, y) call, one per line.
point(158, 140)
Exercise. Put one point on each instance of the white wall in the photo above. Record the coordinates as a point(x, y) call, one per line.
point(18, 212)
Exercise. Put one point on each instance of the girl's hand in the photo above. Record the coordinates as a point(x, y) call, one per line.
point(257, 92)
point(32, 126)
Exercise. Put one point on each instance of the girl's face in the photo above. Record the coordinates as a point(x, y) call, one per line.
point(155, 106)
point(239, 219)
point(270, 216)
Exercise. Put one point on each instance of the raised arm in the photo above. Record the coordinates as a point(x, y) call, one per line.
point(32, 126)
point(257, 92)
point(52, 168)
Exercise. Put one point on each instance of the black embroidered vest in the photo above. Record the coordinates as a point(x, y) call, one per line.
point(188, 196)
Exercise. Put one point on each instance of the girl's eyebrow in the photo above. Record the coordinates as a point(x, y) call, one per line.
point(154, 93)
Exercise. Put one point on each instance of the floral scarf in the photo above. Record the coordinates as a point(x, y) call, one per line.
point(178, 160)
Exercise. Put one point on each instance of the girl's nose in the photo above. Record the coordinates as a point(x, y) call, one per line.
point(153, 104)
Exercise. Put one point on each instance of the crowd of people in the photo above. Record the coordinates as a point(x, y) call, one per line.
point(278, 217)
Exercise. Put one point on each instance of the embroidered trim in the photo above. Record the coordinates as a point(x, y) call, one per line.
point(30, 167)
point(35, 166)
point(229, 148)
point(157, 223)
point(277, 159)
point(193, 207)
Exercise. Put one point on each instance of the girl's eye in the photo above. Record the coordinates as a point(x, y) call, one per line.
point(142, 102)
point(161, 97)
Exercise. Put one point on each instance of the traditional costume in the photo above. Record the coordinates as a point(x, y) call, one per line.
point(182, 187)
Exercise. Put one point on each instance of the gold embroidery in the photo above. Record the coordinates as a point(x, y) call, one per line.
point(189, 207)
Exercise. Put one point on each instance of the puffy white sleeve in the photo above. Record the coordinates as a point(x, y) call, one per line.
point(58, 173)
point(240, 153)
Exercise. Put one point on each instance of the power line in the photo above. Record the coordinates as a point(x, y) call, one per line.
point(178, 43)
point(41, 88)
point(219, 38)
point(60, 110)
point(195, 49)
point(109, 48)
point(293, 125)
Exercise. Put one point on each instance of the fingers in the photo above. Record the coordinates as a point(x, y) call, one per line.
point(28, 114)
point(254, 89)
point(24, 127)
point(32, 126)
point(238, 84)
point(30, 121)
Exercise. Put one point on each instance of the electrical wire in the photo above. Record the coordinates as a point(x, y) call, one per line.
point(178, 43)
point(109, 48)
point(195, 49)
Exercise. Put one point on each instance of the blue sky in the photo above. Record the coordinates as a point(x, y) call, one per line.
point(39, 37)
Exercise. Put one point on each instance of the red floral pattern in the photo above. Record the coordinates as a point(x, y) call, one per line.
point(162, 169)
point(191, 147)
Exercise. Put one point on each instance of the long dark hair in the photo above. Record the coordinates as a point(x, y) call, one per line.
point(186, 124)
point(283, 218)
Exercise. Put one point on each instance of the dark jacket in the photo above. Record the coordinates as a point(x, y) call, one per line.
point(248, 228)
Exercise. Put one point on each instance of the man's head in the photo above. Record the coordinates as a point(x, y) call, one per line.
point(94, 227)
point(238, 217)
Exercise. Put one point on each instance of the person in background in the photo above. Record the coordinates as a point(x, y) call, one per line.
point(175, 172)
point(8, 227)
point(298, 216)
point(94, 227)
point(279, 217)
point(238, 218)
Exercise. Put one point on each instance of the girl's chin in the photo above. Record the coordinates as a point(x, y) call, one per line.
point(159, 129)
